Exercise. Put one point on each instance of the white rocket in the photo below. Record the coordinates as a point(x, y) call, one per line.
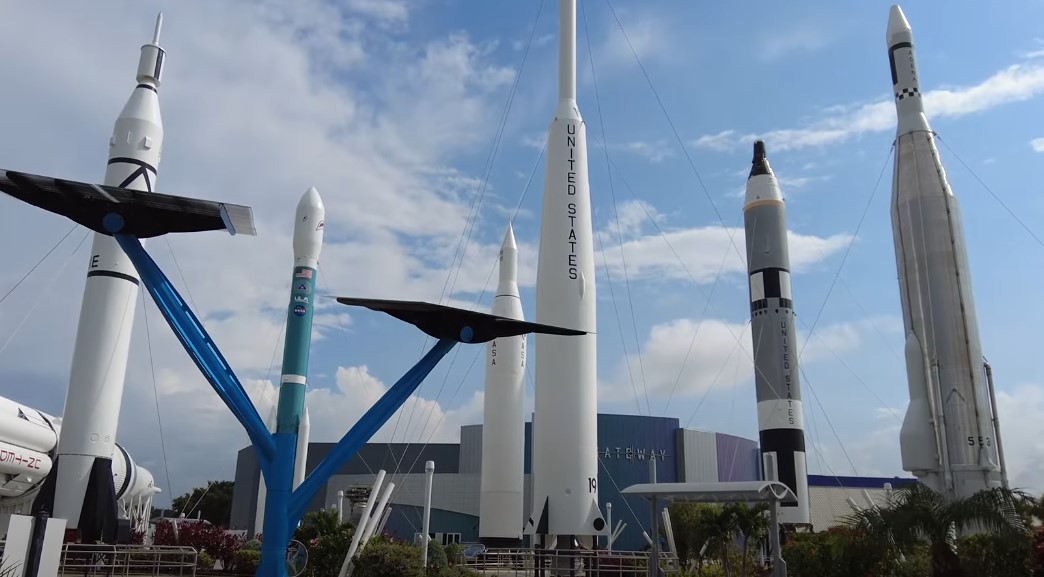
point(948, 438)
point(772, 325)
point(28, 439)
point(503, 417)
point(565, 458)
point(83, 481)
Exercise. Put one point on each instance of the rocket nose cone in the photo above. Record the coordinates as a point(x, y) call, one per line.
point(759, 164)
point(509, 238)
point(897, 23)
point(310, 200)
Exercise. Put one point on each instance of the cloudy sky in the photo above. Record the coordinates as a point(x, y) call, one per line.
point(421, 124)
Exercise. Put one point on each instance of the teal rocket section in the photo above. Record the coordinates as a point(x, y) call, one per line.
point(295, 350)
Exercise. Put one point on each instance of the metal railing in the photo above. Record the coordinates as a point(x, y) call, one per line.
point(126, 560)
point(563, 563)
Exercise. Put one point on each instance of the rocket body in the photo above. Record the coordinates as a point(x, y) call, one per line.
point(83, 480)
point(287, 470)
point(772, 322)
point(565, 460)
point(947, 438)
point(503, 421)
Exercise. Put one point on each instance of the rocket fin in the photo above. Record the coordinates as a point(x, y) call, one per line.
point(540, 526)
point(595, 519)
point(98, 516)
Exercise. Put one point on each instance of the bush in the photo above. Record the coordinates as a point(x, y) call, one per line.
point(203, 537)
point(995, 556)
point(383, 559)
point(204, 561)
point(454, 553)
point(1038, 553)
point(838, 552)
point(246, 561)
point(252, 544)
point(437, 558)
point(326, 553)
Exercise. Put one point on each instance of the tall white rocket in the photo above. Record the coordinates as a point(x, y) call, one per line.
point(83, 479)
point(503, 417)
point(565, 458)
point(947, 439)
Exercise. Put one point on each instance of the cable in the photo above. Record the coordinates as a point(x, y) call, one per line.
point(619, 232)
point(38, 263)
point(848, 250)
point(155, 391)
point(989, 190)
point(40, 299)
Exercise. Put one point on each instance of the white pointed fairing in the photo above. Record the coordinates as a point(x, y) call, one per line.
point(503, 422)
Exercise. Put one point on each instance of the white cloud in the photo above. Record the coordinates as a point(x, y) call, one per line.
point(797, 38)
point(685, 357)
point(648, 35)
point(1015, 83)
point(652, 151)
point(1037, 144)
point(702, 250)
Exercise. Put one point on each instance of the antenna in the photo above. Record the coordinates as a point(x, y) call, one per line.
point(159, 28)
point(567, 50)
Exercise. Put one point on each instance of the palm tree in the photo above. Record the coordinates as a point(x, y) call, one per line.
point(751, 522)
point(917, 514)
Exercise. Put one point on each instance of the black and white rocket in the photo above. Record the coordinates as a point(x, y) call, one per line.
point(948, 438)
point(80, 486)
point(772, 319)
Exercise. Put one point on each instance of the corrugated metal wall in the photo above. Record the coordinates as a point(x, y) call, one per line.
point(697, 456)
point(471, 450)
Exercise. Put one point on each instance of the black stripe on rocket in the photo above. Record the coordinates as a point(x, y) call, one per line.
point(770, 283)
point(786, 444)
point(143, 171)
point(905, 92)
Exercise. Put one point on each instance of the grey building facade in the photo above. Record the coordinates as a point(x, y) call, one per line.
point(627, 446)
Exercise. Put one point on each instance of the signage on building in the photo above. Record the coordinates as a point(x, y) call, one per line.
point(633, 453)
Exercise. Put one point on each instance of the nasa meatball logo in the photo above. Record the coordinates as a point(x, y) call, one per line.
point(299, 310)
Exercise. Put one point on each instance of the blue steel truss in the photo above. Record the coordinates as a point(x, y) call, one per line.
point(275, 451)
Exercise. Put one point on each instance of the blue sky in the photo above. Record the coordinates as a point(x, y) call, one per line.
point(391, 109)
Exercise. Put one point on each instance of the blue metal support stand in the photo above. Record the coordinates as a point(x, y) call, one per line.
point(275, 452)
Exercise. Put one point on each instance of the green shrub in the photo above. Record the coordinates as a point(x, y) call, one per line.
point(454, 553)
point(454, 571)
point(246, 561)
point(838, 552)
point(995, 556)
point(204, 561)
point(383, 559)
point(437, 558)
point(253, 545)
point(326, 553)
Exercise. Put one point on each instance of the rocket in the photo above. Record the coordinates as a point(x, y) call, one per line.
point(776, 377)
point(947, 438)
point(80, 486)
point(503, 420)
point(292, 425)
point(565, 459)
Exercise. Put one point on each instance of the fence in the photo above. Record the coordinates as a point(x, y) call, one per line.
point(126, 560)
point(563, 563)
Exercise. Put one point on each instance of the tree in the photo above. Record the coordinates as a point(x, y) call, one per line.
point(213, 503)
point(751, 522)
point(917, 514)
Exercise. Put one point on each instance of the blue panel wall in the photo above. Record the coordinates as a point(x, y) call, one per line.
point(406, 520)
point(626, 446)
point(738, 458)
